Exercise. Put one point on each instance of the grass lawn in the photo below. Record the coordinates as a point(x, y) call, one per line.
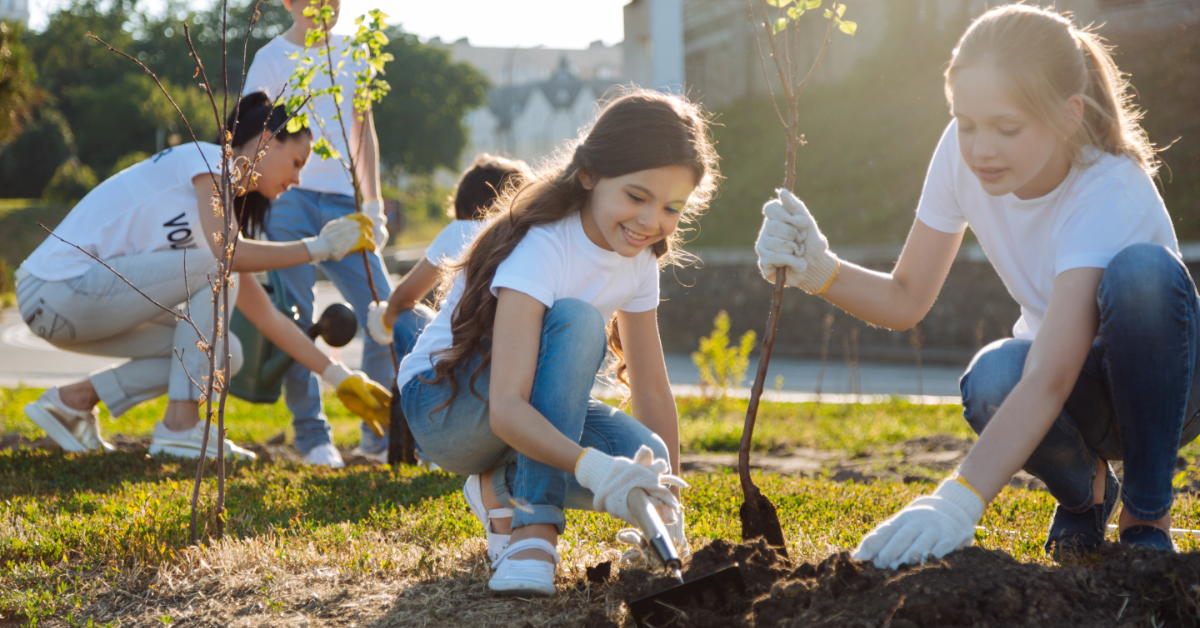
point(105, 537)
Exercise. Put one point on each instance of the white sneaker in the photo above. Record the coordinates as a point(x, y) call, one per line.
point(380, 457)
point(473, 493)
point(324, 455)
point(187, 444)
point(73, 430)
point(525, 577)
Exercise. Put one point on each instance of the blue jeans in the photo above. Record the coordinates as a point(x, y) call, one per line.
point(1137, 396)
point(300, 214)
point(405, 331)
point(459, 437)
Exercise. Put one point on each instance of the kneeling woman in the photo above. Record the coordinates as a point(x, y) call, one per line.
point(498, 386)
point(153, 224)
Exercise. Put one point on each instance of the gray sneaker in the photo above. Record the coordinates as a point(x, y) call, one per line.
point(73, 430)
point(187, 444)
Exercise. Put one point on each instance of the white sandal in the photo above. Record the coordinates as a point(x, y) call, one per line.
point(473, 493)
point(525, 577)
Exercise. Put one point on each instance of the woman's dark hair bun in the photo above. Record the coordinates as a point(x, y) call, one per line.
point(256, 113)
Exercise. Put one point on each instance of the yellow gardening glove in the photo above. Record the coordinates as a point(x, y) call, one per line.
point(366, 233)
point(370, 401)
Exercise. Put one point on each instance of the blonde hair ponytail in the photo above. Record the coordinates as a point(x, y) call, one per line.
point(1046, 60)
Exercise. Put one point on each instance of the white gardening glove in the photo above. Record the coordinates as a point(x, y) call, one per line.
point(373, 208)
point(934, 525)
point(790, 239)
point(340, 237)
point(611, 478)
point(378, 329)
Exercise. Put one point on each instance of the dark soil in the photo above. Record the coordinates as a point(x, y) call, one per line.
point(1122, 586)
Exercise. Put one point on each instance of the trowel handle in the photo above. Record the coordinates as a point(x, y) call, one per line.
point(653, 528)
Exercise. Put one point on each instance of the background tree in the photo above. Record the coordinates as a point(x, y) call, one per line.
point(420, 124)
point(17, 93)
point(103, 110)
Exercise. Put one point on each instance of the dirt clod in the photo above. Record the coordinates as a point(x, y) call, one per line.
point(1122, 586)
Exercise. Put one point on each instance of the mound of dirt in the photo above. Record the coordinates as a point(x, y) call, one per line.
point(1122, 586)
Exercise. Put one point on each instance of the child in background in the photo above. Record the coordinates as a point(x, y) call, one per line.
point(402, 318)
point(498, 387)
point(325, 193)
point(1046, 162)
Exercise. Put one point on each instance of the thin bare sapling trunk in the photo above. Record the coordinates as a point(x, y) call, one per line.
point(779, 20)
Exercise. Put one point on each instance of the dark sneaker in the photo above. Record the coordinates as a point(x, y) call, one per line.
point(1081, 533)
point(1148, 537)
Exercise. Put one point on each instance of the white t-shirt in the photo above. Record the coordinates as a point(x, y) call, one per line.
point(149, 206)
point(1093, 214)
point(270, 72)
point(552, 262)
point(449, 245)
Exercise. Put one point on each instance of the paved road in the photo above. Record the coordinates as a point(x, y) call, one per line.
point(27, 359)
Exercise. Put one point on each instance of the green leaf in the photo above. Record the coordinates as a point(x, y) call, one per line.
point(780, 24)
point(795, 12)
point(779, 3)
point(812, 4)
point(848, 27)
point(324, 149)
point(841, 10)
point(828, 14)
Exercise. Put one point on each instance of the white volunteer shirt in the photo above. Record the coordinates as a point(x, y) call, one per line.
point(552, 262)
point(269, 72)
point(1094, 213)
point(149, 206)
point(452, 241)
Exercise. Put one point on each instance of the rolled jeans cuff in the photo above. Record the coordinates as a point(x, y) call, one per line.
point(1145, 515)
point(110, 392)
point(541, 513)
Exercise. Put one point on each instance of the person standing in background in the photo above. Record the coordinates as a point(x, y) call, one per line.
point(325, 193)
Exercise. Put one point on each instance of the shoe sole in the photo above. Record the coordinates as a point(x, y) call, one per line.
point(185, 451)
point(522, 588)
point(55, 430)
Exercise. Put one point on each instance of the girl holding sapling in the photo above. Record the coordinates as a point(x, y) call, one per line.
point(154, 223)
point(1046, 162)
point(498, 385)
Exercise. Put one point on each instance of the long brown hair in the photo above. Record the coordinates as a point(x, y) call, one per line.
point(637, 130)
point(1046, 60)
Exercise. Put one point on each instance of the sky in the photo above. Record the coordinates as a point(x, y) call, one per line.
point(524, 23)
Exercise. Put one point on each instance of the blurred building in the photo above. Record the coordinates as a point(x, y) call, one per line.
point(540, 96)
point(654, 44)
point(16, 10)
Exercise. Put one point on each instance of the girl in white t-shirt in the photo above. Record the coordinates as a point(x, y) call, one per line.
point(400, 320)
point(498, 386)
point(1046, 162)
point(144, 223)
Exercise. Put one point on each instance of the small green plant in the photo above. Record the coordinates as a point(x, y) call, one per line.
point(723, 366)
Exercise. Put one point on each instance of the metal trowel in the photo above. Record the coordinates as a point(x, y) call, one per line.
point(669, 607)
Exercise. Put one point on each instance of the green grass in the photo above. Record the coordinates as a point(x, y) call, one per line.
point(855, 428)
point(76, 527)
point(246, 422)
